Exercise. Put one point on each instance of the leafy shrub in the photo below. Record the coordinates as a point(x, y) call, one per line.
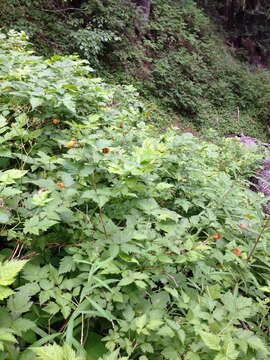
point(181, 64)
point(176, 61)
point(91, 42)
point(141, 239)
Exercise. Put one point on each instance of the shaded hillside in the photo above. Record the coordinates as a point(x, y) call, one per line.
point(247, 25)
point(176, 60)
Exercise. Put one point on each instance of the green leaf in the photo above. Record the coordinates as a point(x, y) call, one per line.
point(9, 176)
point(230, 351)
point(65, 265)
point(5, 292)
point(4, 216)
point(52, 308)
point(140, 323)
point(7, 335)
point(9, 271)
point(100, 196)
point(154, 324)
point(9, 191)
point(68, 353)
point(140, 284)
point(102, 312)
point(163, 186)
point(181, 335)
point(256, 343)
point(29, 289)
point(67, 179)
point(166, 331)
point(69, 103)
point(35, 225)
point(146, 347)
point(3, 121)
point(21, 325)
point(129, 313)
point(170, 353)
point(19, 303)
point(41, 199)
point(165, 214)
point(147, 205)
point(110, 356)
point(221, 357)
point(32, 225)
point(211, 340)
point(35, 101)
point(171, 291)
point(33, 272)
point(126, 281)
point(215, 291)
point(55, 352)
point(44, 296)
point(94, 346)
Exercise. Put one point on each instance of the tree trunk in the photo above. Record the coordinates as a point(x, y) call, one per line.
point(229, 10)
point(145, 4)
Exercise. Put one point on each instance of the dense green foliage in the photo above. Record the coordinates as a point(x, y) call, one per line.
point(247, 26)
point(175, 60)
point(143, 240)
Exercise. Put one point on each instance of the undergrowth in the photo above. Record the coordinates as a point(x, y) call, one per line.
point(176, 61)
point(129, 244)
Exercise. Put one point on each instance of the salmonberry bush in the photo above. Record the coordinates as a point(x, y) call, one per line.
point(118, 241)
point(180, 59)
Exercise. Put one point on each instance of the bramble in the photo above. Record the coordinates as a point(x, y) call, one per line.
point(217, 236)
point(237, 252)
point(71, 143)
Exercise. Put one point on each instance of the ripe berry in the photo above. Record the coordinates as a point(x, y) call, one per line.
point(217, 236)
point(237, 252)
point(71, 143)
point(60, 184)
point(106, 150)
point(242, 226)
point(101, 137)
point(55, 121)
point(121, 125)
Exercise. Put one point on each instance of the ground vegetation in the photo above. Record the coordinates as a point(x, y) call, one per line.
point(117, 241)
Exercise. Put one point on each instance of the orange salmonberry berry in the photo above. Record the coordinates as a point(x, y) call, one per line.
point(55, 121)
point(101, 137)
point(121, 125)
point(71, 143)
point(242, 226)
point(106, 150)
point(183, 180)
point(61, 185)
point(237, 252)
point(217, 236)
